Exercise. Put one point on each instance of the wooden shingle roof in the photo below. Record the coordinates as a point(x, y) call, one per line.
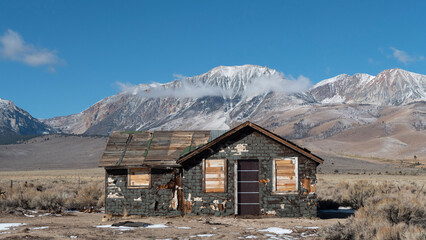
point(151, 148)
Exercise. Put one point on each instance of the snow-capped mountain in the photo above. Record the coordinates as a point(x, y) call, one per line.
point(390, 87)
point(16, 121)
point(373, 116)
point(225, 95)
point(213, 100)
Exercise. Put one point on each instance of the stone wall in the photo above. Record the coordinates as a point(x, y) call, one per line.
point(251, 145)
point(160, 199)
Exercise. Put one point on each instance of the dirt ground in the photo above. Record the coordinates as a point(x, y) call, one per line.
point(84, 226)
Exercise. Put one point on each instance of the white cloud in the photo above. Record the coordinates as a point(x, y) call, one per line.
point(277, 83)
point(14, 48)
point(403, 56)
point(185, 88)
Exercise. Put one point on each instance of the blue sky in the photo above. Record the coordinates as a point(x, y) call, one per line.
point(60, 57)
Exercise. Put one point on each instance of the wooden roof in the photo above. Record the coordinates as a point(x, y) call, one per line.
point(171, 148)
point(259, 129)
point(151, 148)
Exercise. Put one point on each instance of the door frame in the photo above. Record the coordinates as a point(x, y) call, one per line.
point(236, 183)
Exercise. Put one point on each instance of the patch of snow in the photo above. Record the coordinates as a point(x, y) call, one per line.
point(110, 226)
point(205, 235)
point(183, 227)
point(41, 215)
point(334, 99)
point(277, 230)
point(311, 227)
point(331, 80)
point(157, 226)
point(251, 236)
point(8, 226)
point(73, 236)
point(344, 208)
point(38, 228)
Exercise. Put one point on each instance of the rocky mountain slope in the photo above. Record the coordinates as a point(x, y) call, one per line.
point(16, 122)
point(214, 100)
point(390, 87)
point(225, 95)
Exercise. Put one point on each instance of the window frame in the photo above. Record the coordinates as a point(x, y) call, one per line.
point(129, 170)
point(274, 175)
point(225, 172)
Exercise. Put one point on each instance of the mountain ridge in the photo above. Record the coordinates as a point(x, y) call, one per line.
point(386, 111)
point(16, 122)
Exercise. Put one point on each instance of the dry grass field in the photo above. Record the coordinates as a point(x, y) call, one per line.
point(388, 207)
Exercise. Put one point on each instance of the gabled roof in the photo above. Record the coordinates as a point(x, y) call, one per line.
point(151, 148)
point(171, 148)
point(259, 129)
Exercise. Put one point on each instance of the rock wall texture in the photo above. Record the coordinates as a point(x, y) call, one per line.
point(251, 145)
point(158, 200)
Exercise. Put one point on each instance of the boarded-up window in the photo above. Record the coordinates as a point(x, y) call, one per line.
point(285, 175)
point(139, 177)
point(215, 175)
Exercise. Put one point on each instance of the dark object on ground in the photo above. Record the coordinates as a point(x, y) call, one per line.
point(131, 224)
point(335, 213)
point(215, 223)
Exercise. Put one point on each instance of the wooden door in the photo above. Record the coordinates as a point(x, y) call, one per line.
point(248, 187)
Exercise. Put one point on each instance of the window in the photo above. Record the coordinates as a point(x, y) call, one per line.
point(285, 175)
point(139, 177)
point(215, 175)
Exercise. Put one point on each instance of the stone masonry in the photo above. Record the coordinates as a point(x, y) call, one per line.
point(153, 201)
point(251, 145)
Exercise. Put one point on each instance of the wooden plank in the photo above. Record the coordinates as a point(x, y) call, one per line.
point(216, 190)
point(112, 153)
point(214, 163)
point(286, 172)
point(214, 169)
point(285, 184)
point(215, 174)
point(211, 179)
point(285, 178)
point(285, 167)
point(284, 163)
point(286, 189)
point(139, 178)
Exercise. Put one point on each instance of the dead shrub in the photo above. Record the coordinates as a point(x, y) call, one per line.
point(414, 233)
point(359, 192)
point(391, 232)
point(53, 197)
point(48, 201)
point(90, 196)
point(390, 218)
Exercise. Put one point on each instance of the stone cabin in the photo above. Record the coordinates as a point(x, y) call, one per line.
point(247, 170)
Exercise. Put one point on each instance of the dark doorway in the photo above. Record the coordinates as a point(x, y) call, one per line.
point(248, 187)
